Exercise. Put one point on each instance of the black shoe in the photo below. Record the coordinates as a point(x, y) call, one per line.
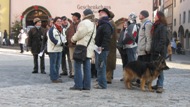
point(74, 88)
point(34, 72)
point(154, 87)
point(57, 81)
point(43, 72)
point(121, 79)
point(85, 89)
point(71, 76)
point(63, 74)
point(109, 82)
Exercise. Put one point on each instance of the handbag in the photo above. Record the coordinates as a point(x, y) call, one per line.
point(80, 51)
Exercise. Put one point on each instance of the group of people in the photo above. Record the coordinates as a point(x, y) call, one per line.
point(144, 42)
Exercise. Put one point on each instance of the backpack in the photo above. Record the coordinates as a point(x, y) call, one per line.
point(144, 28)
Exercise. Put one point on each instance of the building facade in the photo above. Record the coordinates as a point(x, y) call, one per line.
point(26, 10)
point(168, 11)
point(4, 16)
point(181, 22)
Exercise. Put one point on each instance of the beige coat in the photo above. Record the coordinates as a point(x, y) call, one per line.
point(144, 38)
point(83, 34)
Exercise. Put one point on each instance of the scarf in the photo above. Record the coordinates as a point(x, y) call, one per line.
point(59, 28)
point(103, 20)
point(155, 26)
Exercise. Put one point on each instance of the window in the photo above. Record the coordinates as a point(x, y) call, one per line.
point(180, 19)
point(180, 1)
point(184, 17)
point(174, 22)
point(189, 17)
point(174, 3)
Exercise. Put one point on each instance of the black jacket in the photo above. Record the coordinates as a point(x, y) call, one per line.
point(104, 33)
point(159, 40)
point(35, 39)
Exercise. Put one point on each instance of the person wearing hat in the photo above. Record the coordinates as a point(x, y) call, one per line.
point(102, 40)
point(144, 38)
point(111, 60)
point(84, 36)
point(69, 33)
point(65, 53)
point(36, 35)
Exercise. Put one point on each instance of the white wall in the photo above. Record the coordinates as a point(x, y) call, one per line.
point(121, 8)
point(179, 9)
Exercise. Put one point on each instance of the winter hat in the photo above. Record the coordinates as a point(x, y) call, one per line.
point(132, 17)
point(36, 20)
point(144, 13)
point(76, 14)
point(87, 12)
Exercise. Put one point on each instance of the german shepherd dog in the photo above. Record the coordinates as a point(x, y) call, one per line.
point(145, 71)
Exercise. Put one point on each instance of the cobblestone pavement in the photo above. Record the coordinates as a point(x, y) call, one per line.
point(20, 88)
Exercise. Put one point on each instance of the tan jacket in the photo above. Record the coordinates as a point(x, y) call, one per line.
point(83, 34)
point(144, 38)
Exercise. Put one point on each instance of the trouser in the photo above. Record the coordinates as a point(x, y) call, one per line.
point(82, 81)
point(55, 61)
point(124, 57)
point(160, 81)
point(42, 63)
point(64, 62)
point(21, 48)
point(71, 51)
point(93, 70)
point(101, 60)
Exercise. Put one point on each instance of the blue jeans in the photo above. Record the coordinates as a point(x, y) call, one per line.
point(85, 80)
point(160, 81)
point(55, 61)
point(100, 62)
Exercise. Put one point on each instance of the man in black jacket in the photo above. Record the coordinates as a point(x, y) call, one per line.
point(35, 42)
point(102, 39)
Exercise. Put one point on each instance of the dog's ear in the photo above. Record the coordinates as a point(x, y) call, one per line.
point(166, 68)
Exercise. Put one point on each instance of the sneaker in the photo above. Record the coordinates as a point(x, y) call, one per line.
point(135, 84)
point(98, 87)
point(159, 90)
point(75, 88)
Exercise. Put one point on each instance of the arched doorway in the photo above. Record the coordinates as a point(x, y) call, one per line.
point(181, 35)
point(32, 12)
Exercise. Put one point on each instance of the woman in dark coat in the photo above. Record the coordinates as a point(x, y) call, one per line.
point(159, 45)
